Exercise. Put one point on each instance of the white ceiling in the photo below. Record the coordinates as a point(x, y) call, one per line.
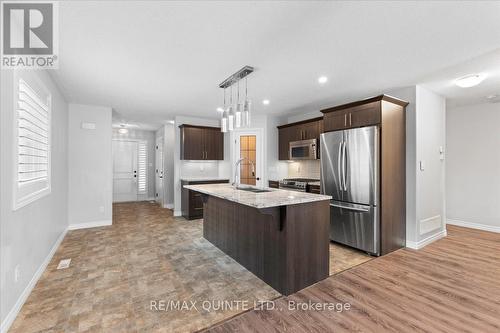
point(153, 60)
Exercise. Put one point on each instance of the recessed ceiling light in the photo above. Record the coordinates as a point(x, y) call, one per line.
point(492, 96)
point(219, 109)
point(322, 79)
point(265, 102)
point(470, 80)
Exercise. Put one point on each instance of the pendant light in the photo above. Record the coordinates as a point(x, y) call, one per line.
point(236, 115)
point(224, 120)
point(239, 107)
point(247, 107)
point(230, 112)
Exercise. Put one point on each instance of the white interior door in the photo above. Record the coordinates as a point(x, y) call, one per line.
point(249, 145)
point(124, 170)
point(159, 170)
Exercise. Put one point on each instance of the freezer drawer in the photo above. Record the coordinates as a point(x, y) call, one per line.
point(355, 225)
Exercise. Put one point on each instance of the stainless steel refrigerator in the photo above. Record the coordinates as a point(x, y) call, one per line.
point(350, 174)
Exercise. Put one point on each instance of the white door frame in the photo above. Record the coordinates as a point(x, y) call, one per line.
point(259, 154)
point(159, 170)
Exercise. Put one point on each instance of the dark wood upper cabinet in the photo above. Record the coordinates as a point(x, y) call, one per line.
point(201, 143)
point(357, 114)
point(302, 130)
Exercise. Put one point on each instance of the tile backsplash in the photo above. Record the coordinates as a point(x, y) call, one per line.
point(304, 169)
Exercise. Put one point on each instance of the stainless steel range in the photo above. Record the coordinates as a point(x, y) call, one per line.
point(296, 184)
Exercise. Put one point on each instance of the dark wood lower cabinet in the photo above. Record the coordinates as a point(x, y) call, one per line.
point(274, 184)
point(313, 189)
point(286, 246)
point(191, 201)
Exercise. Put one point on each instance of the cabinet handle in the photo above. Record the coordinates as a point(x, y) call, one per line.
point(345, 119)
point(350, 119)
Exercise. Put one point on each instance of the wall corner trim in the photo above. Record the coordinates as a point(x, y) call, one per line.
point(93, 224)
point(11, 316)
point(426, 241)
point(177, 213)
point(472, 225)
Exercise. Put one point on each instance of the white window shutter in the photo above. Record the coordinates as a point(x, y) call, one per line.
point(33, 145)
point(142, 179)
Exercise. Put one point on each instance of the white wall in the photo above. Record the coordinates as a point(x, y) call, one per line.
point(30, 234)
point(473, 166)
point(425, 133)
point(149, 137)
point(90, 185)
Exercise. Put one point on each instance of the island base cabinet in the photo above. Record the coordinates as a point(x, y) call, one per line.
point(287, 246)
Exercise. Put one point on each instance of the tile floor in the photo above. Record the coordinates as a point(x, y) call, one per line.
point(146, 255)
point(116, 271)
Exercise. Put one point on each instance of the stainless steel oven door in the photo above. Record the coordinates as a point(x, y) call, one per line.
point(303, 150)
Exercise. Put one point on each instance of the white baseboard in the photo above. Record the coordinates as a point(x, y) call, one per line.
point(473, 225)
point(11, 316)
point(177, 213)
point(169, 206)
point(93, 224)
point(426, 241)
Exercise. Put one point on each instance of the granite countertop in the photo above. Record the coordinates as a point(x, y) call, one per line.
point(193, 179)
point(274, 198)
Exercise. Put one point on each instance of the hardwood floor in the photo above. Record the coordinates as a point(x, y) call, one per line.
point(117, 271)
point(452, 285)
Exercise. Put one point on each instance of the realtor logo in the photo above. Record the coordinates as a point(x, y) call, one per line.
point(29, 35)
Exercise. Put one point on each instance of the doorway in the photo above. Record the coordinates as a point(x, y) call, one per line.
point(248, 146)
point(129, 170)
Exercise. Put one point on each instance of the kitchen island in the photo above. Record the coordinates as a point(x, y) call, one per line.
point(280, 236)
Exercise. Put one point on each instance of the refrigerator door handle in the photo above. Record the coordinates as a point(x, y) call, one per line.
point(344, 162)
point(357, 209)
point(340, 160)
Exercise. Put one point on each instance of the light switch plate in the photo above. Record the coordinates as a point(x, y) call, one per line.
point(88, 126)
point(422, 166)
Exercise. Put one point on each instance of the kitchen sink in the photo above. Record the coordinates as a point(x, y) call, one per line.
point(253, 189)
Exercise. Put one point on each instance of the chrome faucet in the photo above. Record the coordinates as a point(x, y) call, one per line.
point(236, 169)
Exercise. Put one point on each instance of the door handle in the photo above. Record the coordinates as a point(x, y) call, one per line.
point(344, 162)
point(356, 209)
point(339, 159)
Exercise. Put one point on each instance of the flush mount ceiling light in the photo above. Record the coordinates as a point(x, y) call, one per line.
point(492, 96)
point(266, 102)
point(322, 79)
point(237, 115)
point(123, 130)
point(470, 80)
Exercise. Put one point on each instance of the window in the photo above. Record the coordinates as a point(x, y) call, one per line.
point(142, 179)
point(32, 154)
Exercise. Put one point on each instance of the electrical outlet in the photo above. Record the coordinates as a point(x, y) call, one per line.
point(17, 273)
point(64, 263)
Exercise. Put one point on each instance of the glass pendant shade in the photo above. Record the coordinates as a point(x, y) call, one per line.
point(246, 112)
point(230, 118)
point(223, 122)
point(237, 115)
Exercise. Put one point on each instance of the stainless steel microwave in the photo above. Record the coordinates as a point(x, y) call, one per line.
point(304, 150)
